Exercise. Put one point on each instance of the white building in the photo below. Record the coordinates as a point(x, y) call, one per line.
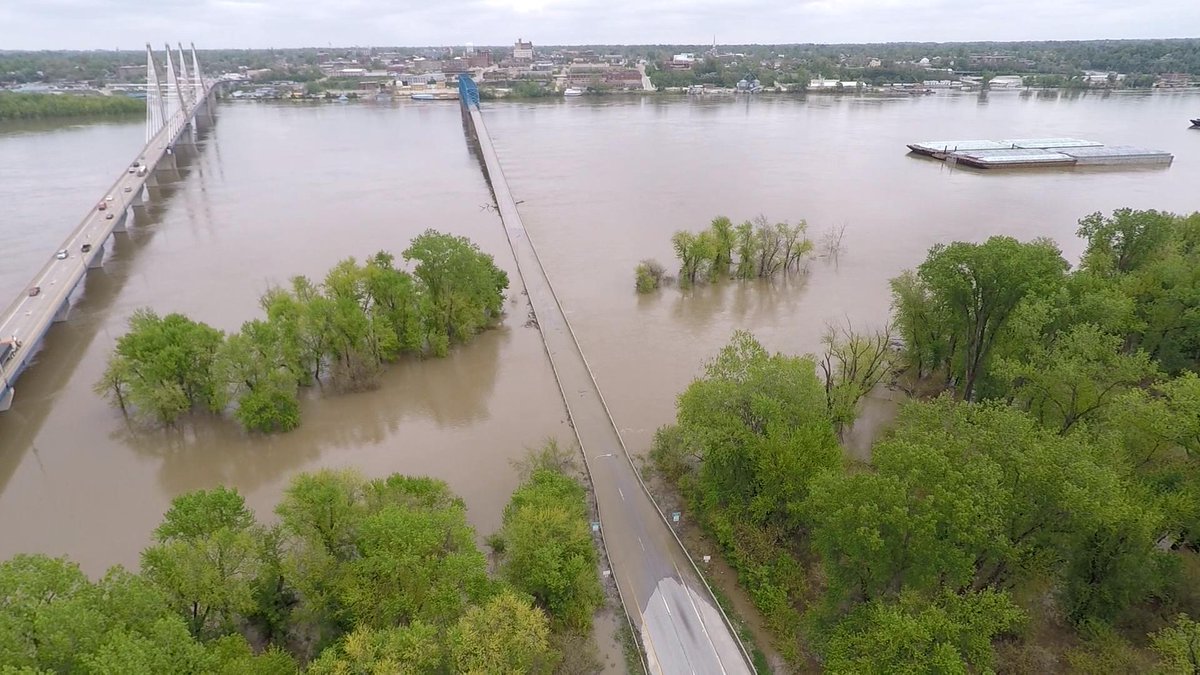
point(523, 51)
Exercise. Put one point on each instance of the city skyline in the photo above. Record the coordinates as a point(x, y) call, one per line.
point(124, 24)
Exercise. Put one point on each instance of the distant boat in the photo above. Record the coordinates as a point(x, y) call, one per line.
point(342, 99)
point(424, 97)
point(1196, 122)
point(572, 91)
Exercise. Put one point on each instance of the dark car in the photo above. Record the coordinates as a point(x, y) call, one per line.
point(34, 291)
point(85, 248)
point(109, 216)
point(103, 206)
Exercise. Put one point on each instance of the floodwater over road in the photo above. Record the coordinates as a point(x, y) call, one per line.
point(285, 189)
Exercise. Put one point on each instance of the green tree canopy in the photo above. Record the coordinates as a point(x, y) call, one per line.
point(163, 366)
point(548, 548)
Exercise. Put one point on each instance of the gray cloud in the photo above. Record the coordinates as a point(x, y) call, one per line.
point(128, 24)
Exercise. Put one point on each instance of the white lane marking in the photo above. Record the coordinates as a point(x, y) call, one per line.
point(621, 493)
point(641, 544)
point(664, 599)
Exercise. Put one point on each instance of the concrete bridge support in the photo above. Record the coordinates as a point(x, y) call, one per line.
point(138, 200)
point(64, 310)
point(6, 398)
point(97, 260)
point(187, 137)
point(168, 168)
point(119, 226)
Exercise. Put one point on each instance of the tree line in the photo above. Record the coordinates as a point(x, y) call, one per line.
point(18, 106)
point(357, 576)
point(753, 249)
point(1036, 507)
point(341, 331)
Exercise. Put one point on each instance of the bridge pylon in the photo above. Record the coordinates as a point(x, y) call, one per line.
point(204, 109)
point(156, 104)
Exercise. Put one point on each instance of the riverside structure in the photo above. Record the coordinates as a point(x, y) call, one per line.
point(173, 111)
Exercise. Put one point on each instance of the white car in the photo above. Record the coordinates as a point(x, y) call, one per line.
point(62, 255)
point(108, 198)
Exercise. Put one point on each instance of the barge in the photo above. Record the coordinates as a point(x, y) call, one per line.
point(1039, 152)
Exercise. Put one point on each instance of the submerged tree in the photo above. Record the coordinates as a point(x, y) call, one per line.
point(464, 290)
point(648, 276)
point(852, 365)
point(762, 250)
point(163, 366)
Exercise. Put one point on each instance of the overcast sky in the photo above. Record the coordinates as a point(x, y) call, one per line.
point(129, 24)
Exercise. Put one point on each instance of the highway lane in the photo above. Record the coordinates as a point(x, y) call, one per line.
point(675, 614)
point(27, 317)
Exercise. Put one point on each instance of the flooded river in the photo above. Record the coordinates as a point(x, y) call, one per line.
point(285, 189)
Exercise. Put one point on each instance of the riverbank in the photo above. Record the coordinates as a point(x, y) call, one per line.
point(18, 106)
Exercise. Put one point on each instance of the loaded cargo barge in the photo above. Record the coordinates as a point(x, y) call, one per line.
point(1038, 152)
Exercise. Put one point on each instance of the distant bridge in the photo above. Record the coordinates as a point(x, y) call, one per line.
point(178, 100)
point(670, 607)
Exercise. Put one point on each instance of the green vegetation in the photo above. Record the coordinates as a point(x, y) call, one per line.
point(359, 575)
point(527, 89)
point(1043, 509)
point(548, 549)
point(753, 249)
point(343, 331)
point(15, 106)
point(648, 276)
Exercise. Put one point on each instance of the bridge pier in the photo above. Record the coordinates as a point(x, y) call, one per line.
point(187, 136)
point(138, 201)
point(119, 226)
point(64, 310)
point(97, 260)
point(169, 167)
point(6, 398)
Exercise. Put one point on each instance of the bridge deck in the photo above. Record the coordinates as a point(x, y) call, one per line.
point(28, 318)
point(681, 625)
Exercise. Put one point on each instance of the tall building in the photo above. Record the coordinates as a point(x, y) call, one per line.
point(523, 51)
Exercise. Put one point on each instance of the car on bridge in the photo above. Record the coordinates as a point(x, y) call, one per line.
point(34, 291)
point(129, 188)
point(103, 205)
point(62, 254)
point(85, 248)
point(109, 216)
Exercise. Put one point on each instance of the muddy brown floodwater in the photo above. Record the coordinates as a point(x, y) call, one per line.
point(279, 190)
